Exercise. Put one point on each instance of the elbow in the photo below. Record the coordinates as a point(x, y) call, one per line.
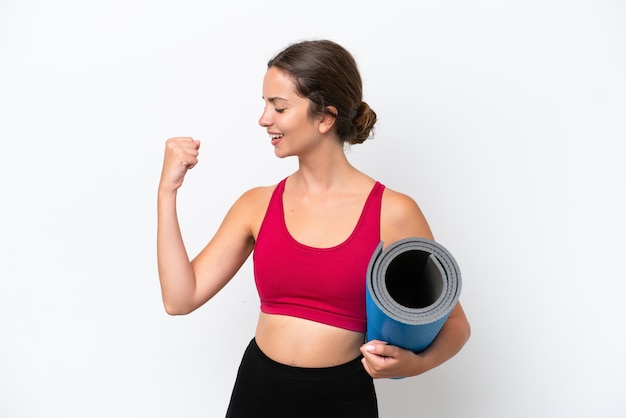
point(176, 309)
point(467, 332)
point(463, 327)
point(175, 312)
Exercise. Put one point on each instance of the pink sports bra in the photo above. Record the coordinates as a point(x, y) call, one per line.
point(325, 285)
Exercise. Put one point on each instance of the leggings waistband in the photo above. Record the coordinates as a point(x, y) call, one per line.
point(281, 370)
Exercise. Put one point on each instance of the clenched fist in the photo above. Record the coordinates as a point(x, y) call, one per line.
point(181, 154)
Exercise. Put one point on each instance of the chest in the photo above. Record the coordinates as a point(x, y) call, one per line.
point(322, 222)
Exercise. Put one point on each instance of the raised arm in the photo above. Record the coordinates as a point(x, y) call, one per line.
point(185, 284)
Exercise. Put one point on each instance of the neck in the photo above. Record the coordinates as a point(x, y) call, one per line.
point(326, 169)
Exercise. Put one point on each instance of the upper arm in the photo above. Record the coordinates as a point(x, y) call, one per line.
point(230, 247)
point(401, 217)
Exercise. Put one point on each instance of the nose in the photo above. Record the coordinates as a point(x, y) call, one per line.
point(264, 120)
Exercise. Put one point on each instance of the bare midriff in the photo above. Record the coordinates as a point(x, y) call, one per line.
point(302, 343)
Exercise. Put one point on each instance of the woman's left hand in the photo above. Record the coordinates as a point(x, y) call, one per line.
point(382, 360)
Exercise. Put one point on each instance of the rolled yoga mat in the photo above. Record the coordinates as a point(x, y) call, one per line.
point(412, 286)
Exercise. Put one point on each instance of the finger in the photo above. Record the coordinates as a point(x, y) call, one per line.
point(191, 142)
point(374, 366)
point(375, 347)
point(190, 163)
point(184, 142)
point(190, 146)
point(191, 149)
point(181, 139)
point(377, 342)
point(184, 153)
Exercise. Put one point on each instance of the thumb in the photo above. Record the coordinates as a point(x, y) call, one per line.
point(375, 347)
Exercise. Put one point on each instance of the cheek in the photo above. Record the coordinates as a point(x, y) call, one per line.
point(300, 122)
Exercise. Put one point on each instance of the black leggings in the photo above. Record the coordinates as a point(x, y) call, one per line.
point(266, 388)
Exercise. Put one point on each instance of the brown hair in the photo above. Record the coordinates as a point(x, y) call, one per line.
point(326, 74)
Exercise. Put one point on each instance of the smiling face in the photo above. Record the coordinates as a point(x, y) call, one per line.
point(286, 116)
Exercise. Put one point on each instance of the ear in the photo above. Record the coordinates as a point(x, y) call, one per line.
point(327, 120)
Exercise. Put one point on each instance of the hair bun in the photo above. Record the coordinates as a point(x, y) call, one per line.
point(364, 122)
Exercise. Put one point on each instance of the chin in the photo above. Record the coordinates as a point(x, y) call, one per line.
point(281, 154)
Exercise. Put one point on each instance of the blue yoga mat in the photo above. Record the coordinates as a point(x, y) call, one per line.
point(412, 286)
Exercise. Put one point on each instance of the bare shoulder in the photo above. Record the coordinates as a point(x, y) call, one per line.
point(401, 217)
point(251, 206)
point(253, 200)
point(256, 195)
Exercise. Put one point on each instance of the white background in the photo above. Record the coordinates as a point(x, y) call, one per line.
point(505, 120)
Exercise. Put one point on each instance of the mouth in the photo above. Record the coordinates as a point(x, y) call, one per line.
point(275, 138)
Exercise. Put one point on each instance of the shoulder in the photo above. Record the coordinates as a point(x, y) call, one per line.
point(249, 209)
point(257, 193)
point(255, 198)
point(401, 217)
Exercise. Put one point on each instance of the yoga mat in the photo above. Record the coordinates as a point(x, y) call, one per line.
point(412, 286)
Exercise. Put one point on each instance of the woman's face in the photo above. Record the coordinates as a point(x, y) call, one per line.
point(286, 116)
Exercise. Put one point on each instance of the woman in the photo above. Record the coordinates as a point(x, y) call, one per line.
point(312, 235)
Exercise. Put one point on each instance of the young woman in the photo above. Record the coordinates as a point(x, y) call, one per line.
point(312, 235)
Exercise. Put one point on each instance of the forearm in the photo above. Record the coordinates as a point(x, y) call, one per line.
point(176, 275)
point(383, 360)
point(450, 340)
